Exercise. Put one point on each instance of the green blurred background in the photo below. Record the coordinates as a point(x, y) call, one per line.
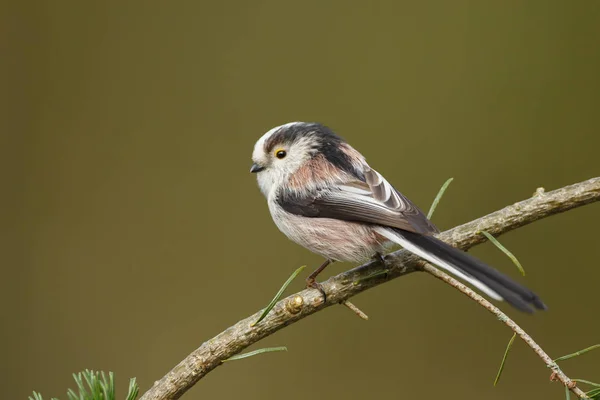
point(132, 230)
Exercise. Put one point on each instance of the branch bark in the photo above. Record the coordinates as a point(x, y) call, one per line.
point(347, 284)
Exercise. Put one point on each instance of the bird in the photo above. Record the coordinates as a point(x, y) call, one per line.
point(323, 195)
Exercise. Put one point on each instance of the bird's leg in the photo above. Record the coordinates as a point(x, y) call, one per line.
point(312, 277)
point(311, 281)
point(379, 257)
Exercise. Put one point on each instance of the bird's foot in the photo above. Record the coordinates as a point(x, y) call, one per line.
point(313, 284)
point(379, 257)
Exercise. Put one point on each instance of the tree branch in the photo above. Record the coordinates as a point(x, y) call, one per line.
point(347, 284)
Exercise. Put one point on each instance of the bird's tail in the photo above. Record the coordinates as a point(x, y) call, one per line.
point(466, 267)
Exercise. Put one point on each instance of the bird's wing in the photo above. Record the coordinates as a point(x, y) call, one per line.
point(373, 201)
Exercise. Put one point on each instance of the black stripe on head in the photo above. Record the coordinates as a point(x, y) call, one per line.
point(326, 142)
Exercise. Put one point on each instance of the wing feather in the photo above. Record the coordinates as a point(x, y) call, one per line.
point(374, 201)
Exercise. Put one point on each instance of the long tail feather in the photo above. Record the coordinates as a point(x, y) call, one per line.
point(466, 267)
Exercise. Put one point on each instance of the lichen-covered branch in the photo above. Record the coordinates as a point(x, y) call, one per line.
point(347, 284)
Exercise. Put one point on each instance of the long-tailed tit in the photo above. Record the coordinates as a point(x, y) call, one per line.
point(323, 195)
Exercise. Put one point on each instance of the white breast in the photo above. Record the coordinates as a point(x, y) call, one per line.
point(331, 238)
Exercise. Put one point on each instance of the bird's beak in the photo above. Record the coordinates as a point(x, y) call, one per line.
point(256, 168)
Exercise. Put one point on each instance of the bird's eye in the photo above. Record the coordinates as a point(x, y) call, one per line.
point(280, 153)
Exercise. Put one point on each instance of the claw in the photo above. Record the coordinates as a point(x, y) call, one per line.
point(313, 284)
point(379, 257)
point(311, 281)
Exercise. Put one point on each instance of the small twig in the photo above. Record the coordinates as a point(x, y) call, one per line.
point(356, 310)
